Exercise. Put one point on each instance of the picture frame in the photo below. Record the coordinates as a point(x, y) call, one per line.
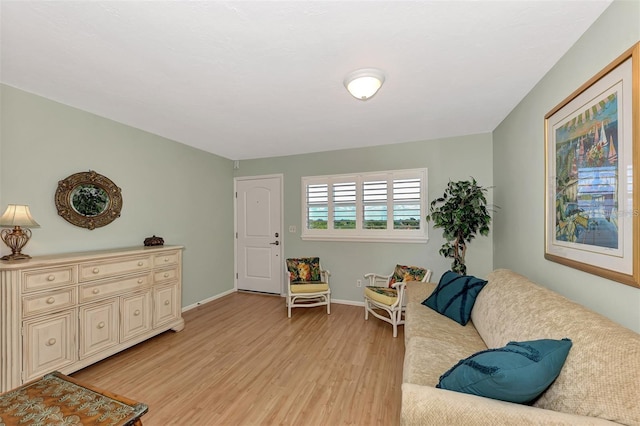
point(592, 160)
point(88, 200)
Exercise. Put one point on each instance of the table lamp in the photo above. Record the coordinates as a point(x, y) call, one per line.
point(16, 216)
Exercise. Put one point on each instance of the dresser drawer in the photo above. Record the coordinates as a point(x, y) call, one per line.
point(40, 279)
point(170, 258)
point(47, 302)
point(165, 275)
point(97, 270)
point(89, 292)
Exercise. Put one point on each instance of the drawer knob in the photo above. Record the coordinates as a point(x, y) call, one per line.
point(51, 342)
point(136, 312)
point(51, 300)
point(101, 324)
point(96, 291)
point(140, 263)
point(166, 259)
point(166, 303)
point(140, 280)
point(96, 270)
point(166, 275)
point(51, 278)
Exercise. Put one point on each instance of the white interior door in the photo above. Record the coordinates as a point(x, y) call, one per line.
point(259, 234)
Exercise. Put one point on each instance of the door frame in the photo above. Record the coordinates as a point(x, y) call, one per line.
point(280, 177)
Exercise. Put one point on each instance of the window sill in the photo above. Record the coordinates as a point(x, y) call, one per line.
point(367, 239)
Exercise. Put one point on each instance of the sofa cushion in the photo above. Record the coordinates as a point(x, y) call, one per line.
point(421, 321)
point(426, 358)
point(518, 372)
point(455, 295)
point(418, 291)
point(425, 405)
point(600, 376)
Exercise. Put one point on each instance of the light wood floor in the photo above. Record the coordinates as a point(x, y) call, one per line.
point(241, 361)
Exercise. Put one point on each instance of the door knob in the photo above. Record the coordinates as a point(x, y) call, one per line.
point(277, 243)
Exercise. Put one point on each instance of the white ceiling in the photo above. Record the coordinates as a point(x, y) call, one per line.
point(255, 79)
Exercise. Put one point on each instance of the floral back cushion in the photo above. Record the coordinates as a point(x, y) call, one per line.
point(407, 273)
point(304, 269)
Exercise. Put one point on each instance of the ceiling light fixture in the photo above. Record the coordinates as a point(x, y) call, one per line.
point(364, 83)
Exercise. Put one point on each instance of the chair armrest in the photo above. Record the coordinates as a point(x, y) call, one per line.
point(399, 285)
point(325, 274)
point(371, 274)
point(378, 278)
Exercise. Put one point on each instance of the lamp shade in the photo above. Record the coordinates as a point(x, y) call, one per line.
point(364, 83)
point(17, 215)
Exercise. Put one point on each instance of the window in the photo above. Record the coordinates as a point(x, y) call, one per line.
point(379, 206)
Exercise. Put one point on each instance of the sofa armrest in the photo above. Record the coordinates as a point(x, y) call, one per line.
point(425, 405)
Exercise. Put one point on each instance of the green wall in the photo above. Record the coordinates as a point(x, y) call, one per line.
point(185, 195)
point(452, 158)
point(169, 189)
point(518, 162)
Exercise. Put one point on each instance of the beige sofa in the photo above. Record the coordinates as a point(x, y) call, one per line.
point(599, 383)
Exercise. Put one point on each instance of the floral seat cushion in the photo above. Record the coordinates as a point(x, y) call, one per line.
point(384, 295)
point(309, 287)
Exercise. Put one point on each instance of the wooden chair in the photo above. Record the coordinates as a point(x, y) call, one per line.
point(384, 296)
point(307, 284)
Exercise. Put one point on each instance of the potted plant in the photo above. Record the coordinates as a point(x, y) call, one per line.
point(462, 213)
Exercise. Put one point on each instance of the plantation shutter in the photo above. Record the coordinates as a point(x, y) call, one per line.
point(374, 204)
point(317, 206)
point(406, 203)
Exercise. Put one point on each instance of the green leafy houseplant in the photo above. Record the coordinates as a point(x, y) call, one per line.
point(462, 213)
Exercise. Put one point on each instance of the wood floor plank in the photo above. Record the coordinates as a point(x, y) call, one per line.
point(241, 361)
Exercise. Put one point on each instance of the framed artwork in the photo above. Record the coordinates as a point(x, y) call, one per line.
point(88, 200)
point(592, 162)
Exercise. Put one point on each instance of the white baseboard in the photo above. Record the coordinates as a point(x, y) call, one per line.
point(343, 302)
point(233, 290)
point(347, 302)
point(207, 300)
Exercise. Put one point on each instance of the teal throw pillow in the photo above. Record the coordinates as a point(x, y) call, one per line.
point(519, 372)
point(455, 295)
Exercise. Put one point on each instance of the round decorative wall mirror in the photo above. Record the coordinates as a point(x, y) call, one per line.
point(88, 199)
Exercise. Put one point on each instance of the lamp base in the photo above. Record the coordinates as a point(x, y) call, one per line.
point(15, 239)
point(15, 256)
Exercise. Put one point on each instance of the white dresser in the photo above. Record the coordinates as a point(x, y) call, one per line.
point(64, 312)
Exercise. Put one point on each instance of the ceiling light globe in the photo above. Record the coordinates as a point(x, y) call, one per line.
point(364, 83)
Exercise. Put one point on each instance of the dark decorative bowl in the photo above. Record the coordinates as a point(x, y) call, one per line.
point(153, 241)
